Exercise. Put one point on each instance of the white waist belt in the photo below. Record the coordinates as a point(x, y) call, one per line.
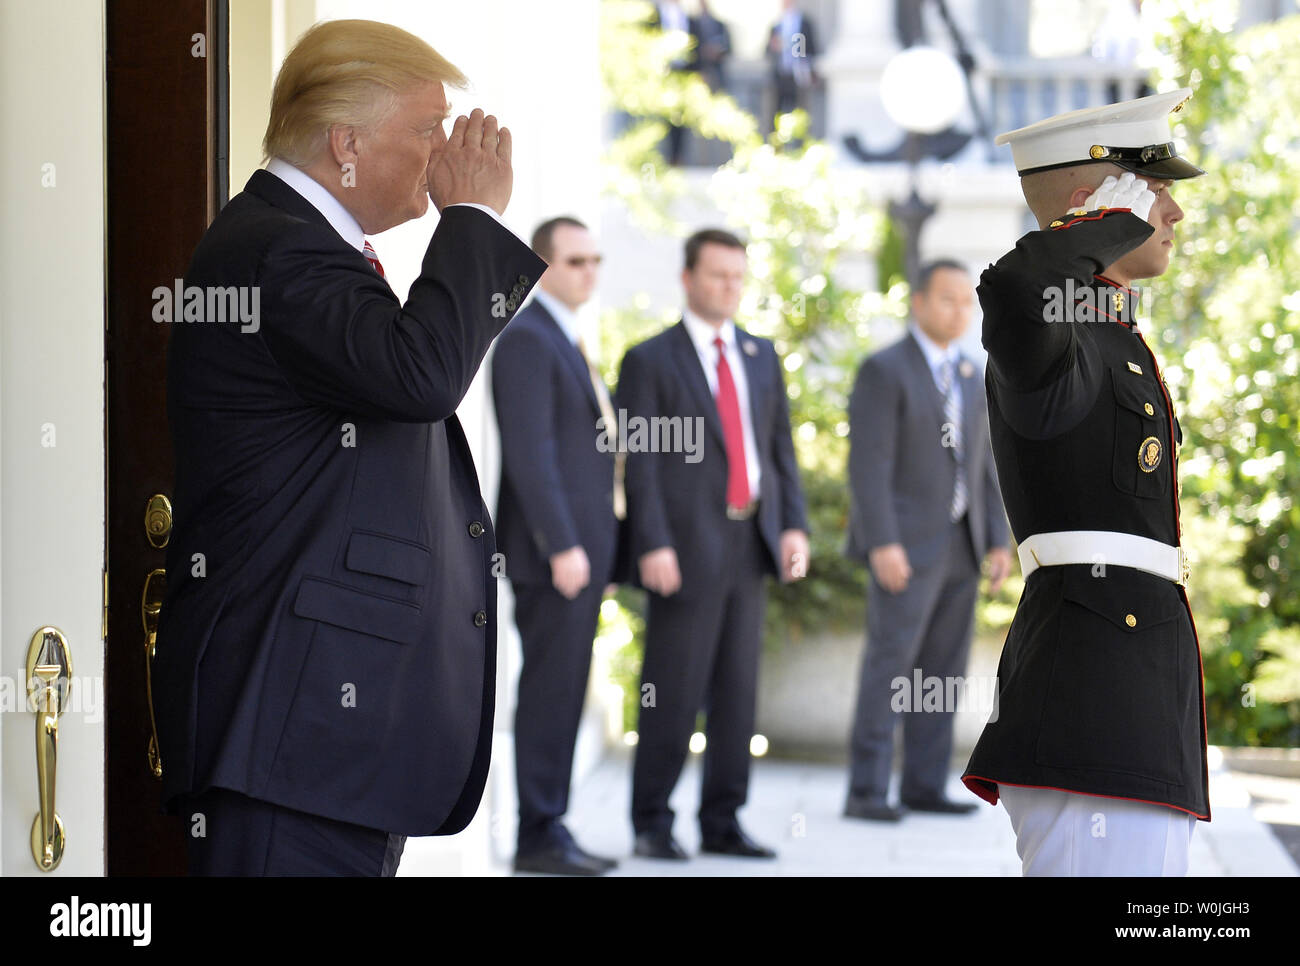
point(1107, 548)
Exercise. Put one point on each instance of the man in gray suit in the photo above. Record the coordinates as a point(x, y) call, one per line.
point(924, 510)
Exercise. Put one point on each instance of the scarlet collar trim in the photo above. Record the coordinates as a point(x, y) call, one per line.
point(1114, 284)
point(1131, 308)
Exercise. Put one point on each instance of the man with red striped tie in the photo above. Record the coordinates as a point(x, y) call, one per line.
point(707, 523)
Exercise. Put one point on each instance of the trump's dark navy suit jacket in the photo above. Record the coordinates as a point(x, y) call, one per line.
point(680, 503)
point(328, 637)
point(557, 482)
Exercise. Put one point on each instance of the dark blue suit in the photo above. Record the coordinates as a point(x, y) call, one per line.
point(673, 503)
point(557, 489)
point(556, 484)
point(702, 643)
point(328, 638)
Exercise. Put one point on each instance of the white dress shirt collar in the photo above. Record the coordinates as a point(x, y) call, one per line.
point(565, 317)
point(935, 354)
point(314, 193)
point(703, 334)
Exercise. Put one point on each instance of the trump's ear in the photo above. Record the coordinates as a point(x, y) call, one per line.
point(341, 142)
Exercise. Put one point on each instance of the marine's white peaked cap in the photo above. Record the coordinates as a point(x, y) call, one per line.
point(1132, 134)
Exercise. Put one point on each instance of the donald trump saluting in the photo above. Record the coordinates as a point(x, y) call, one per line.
point(326, 656)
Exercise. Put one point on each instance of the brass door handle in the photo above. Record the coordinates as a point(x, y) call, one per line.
point(49, 674)
point(155, 586)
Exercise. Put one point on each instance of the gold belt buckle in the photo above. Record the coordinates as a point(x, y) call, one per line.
point(1184, 567)
point(742, 513)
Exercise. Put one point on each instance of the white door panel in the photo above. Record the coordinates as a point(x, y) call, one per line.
point(52, 411)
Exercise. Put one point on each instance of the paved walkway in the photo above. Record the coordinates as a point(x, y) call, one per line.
point(795, 808)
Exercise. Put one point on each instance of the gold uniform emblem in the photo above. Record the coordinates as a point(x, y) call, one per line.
point(1119, 302)
point(1149, 455)
point(1134, 367)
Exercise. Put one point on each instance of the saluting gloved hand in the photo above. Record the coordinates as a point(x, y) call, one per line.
point(1126, 191)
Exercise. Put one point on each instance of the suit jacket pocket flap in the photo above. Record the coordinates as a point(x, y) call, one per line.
point(372, 553)
point(1131, 601)
point(1135, 394)
point(344, 606)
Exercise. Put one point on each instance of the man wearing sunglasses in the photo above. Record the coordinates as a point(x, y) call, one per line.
point(560, 503)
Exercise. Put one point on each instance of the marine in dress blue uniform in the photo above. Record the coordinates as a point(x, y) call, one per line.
point(1100, 680)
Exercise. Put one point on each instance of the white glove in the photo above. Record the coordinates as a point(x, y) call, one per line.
point(1129, 191)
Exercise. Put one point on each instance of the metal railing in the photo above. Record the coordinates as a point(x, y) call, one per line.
point(1019, 92)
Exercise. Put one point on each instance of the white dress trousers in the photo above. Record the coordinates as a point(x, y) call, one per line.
point(1065, 833)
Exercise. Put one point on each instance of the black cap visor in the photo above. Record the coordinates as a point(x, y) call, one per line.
point(1169, 169)
point(1154, 160)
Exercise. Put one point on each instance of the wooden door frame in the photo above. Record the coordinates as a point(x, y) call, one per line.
point(166, 112)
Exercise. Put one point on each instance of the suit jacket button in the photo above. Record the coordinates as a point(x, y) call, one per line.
point(476, 529)
point(480, 618)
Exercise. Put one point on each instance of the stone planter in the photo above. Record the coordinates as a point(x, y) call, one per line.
point(807, 692)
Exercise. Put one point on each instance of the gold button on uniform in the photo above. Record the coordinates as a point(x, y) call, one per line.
point(1150, 409)
point(1130, 620)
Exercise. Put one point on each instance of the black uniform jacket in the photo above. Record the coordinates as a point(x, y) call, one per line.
point(328, 638)
point(1100, 689)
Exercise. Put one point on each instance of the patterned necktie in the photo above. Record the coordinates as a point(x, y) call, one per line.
point(373, 259)
point(611, 424)
point(733, 432)
point(952, 437)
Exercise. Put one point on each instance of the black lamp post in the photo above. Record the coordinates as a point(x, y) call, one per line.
point(923, 90)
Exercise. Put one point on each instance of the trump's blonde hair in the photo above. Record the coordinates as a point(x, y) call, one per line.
point(346, 72)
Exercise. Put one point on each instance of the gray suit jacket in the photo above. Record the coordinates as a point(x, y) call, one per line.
point(901, 476)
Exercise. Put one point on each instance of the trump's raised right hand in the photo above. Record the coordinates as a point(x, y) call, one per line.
point(473, 165)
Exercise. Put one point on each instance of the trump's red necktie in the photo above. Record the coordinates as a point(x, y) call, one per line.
point(373, 259)
point(732, 431)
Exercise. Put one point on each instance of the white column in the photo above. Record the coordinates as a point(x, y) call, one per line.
point(851, 67)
